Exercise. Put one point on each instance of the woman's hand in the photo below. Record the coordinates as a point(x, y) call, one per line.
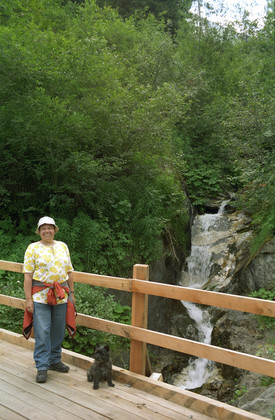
point(29, 305)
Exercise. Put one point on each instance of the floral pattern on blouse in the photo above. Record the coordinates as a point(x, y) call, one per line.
point(49, 264)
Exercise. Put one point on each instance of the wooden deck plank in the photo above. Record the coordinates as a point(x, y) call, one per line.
point(23, 408)
point(134, 396)
point(64, 383)
point(79, 408)
point(134, 405)
point(21, 394)
point(169, 407)
point(95, 406)
point(19, 363)
point(8, 414)
point(120, 398)
point(48, 396)
point(154, 403)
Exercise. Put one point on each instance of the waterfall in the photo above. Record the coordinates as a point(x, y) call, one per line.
point(198, 371)
point(204, 233)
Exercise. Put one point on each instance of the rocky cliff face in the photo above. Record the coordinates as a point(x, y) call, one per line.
point(260, 272)
point(232, 271)
point(242, 332)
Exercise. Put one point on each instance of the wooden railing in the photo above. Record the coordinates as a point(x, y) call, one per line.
point(137, 332)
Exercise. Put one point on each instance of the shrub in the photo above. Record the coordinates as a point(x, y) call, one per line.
point(265, 322)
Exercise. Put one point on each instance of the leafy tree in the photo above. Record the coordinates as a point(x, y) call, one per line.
point(170, 9)
point(229, 136)
point(82, 127)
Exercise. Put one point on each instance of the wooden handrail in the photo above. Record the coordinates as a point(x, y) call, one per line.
point(117, 283)
point(204, 297)
point(139, 335)
point(142, 335)
point(11, 266)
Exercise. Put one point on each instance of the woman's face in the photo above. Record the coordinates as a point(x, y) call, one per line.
point(47, 232)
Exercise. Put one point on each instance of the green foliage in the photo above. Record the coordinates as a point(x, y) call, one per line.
point(203, 181)
point(267, 380)
point(13, 247)
point(265, 322)
point(87, 119)
point(209, 170)
point(11, 319)
point(263, 294)
point(169, 8)
point(238, 393)
point(11, 284)
point(228, 141)
point(259, 188)
point(267, 350)
point(96, 302)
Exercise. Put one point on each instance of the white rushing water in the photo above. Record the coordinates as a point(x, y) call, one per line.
point(199, 269)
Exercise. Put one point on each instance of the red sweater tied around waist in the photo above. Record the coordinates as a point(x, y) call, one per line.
point(51, 300)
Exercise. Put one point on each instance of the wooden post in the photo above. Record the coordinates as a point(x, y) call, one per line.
point(139, 319)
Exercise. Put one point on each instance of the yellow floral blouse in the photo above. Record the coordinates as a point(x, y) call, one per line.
point(49, 264)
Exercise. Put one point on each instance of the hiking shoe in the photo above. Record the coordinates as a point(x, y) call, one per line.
point(59, 367)
point(41, 376)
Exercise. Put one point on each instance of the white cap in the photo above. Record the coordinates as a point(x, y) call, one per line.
point(46, 221)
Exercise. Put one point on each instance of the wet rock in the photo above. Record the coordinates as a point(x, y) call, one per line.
point(167, 362)
point(183, 326)
point(228, 241)
point(236, 331)
point(219, 389)
point(261, 271)
point(259, 401)
point(212, 206)
point(160, 310)
point(240, 331)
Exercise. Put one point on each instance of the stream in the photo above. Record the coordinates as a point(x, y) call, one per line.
point(205, 231)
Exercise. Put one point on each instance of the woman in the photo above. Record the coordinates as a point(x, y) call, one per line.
point(49, 292)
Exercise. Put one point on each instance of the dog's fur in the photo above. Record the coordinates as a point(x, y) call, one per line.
point(102, 367)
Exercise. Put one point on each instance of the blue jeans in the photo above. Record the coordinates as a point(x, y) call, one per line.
point(49, 323)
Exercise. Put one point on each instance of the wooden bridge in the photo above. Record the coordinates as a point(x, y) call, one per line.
point(135, 396)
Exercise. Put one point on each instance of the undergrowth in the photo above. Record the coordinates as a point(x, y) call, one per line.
point(265, 322)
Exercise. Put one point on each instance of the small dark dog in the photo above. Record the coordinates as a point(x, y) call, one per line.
point(102, 368)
